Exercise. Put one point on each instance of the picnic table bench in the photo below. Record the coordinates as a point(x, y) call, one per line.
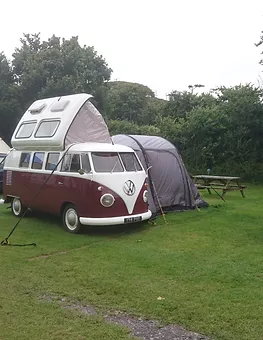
point(224, 183)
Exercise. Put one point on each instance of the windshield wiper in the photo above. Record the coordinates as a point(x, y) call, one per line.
point(114, 167)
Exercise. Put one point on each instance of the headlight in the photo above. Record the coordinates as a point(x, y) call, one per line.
point(145, 196)
point(107, 200)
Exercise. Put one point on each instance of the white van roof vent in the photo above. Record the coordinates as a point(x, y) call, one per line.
point(35, 109)
point(59, 105)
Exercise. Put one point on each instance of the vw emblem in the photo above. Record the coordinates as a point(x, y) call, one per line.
point(129, 188)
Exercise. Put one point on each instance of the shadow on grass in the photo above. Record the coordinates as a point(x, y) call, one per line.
point(107, 231)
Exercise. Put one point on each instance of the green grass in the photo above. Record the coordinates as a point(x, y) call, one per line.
point(207, 264)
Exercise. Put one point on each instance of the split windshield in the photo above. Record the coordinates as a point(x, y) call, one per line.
point(106, 162)
point(113, 162)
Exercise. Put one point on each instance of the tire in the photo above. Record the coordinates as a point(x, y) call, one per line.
point(17, 207)
point(70, 219)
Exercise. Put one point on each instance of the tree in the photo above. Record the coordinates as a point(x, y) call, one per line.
point(259, 44)
point(196, 86)
point(227, 134)
point(155, 109)
point(125, 127)
point(9, 99)
point(182, 102)
point(129, 101)
point(203, 138)
point(243, 106)
point(57, 67)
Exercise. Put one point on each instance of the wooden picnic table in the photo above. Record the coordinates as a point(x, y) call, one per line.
point(224, 183)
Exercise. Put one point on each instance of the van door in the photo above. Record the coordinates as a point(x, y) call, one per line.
point(41, 193)
point(70, 185)
point(37, 178)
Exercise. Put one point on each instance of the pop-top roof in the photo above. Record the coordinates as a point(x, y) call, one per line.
point(54, 123)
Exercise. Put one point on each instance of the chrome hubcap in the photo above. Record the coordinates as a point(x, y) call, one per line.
point(71, 219)
point(17, 206)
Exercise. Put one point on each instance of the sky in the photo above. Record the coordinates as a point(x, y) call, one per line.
point(166, 45)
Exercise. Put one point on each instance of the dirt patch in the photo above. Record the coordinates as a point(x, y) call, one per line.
point(63, 252)
point(139, 327)
point(45, 256)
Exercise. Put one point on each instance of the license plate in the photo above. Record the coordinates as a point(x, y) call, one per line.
point(132, 219)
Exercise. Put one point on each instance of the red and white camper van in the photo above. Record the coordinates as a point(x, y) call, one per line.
point(63, 162)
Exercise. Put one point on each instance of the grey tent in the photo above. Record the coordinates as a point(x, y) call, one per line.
point(169, 182)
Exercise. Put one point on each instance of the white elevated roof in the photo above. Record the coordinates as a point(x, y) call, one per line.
point(54, 123)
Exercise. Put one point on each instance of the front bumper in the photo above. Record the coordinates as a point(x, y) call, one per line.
point(114, 220)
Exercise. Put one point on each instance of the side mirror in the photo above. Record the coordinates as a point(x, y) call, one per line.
point(83, 171)
point(147, 170)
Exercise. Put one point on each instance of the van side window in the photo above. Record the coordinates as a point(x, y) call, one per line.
point(71, 163)
point(85, 162)
point(38, 160)
point(24, 160)
point(52, 161)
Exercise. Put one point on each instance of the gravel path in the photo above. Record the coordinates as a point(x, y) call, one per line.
point(139, 327)
point(149, 329)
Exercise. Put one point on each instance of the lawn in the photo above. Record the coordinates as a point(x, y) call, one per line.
point(207, 265)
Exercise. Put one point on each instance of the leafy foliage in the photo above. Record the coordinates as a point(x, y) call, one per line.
point(129, 101)
point(227, 131)
point(57, 67)
point(9, 99)
point(125, 127)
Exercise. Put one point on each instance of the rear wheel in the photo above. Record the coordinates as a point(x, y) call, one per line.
point(17, 207)
point(71, 219)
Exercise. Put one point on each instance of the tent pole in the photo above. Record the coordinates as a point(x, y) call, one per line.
point(158, 200)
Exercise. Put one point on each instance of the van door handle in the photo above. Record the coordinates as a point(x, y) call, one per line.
point(60, 183)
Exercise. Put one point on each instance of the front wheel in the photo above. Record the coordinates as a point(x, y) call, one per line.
point(17, 207)
point(71, 219)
